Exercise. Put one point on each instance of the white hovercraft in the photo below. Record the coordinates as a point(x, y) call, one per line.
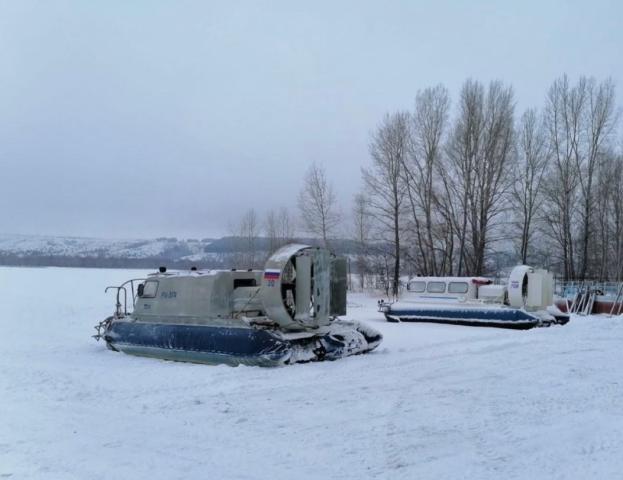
point(526, 302)
point(285, 314)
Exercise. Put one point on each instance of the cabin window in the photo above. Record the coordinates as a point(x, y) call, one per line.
point(245, 282)
point(457, 287)
point(417, 287)
point(436, 287)
point(150, 289)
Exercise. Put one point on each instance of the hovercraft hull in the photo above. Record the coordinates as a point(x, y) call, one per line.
point(511, 318)
point(239, 345)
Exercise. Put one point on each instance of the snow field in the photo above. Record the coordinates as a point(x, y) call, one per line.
point(433, 401)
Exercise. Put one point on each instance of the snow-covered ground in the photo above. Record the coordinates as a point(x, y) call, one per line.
point(432, 402)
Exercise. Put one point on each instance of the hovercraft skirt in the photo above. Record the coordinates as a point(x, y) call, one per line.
point(235, 345)
point(498, 318)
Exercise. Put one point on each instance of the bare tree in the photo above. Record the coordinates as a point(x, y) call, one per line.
point(529, 174)
point(285, 226)
point(271, 228)
point(564, 110)
point(362, 230)
point(601, 252)
point(599, 119)
point(278, 228)
point(317, 204)
point(384, 186)
point(248, 232)
point(493, 179)
point(463, 151)
point(615, 207)
point(480, 151)
point(420, 169)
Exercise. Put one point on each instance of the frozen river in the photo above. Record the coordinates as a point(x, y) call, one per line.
point(433, 401)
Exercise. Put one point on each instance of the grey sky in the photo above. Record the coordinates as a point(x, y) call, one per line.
point(147, 118)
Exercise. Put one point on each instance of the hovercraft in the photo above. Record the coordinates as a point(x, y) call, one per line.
point(287, 313)
point(525, 302)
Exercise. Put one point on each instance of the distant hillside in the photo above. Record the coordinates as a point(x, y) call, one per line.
point(97, 252)
point(29, 250)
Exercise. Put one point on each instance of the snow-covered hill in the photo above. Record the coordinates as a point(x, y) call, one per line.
point(94, 247)
point(97, 252)
point(29, 250)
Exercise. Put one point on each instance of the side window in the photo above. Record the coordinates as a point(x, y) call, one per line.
point(244, 282)
point(457, 287)
point(150, 289)
point(436, 287)
point(417, 287)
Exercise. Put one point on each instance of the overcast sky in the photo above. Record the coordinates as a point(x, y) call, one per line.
point(148, 118)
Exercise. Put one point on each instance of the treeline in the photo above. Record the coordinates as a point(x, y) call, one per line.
point(452, 191)
point(448, 191)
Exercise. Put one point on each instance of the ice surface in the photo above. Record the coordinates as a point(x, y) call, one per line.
point(433, 401)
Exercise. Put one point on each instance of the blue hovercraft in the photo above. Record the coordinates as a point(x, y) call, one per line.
point(525, 302)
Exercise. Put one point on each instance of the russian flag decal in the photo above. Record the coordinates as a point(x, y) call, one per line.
point(272, 274)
